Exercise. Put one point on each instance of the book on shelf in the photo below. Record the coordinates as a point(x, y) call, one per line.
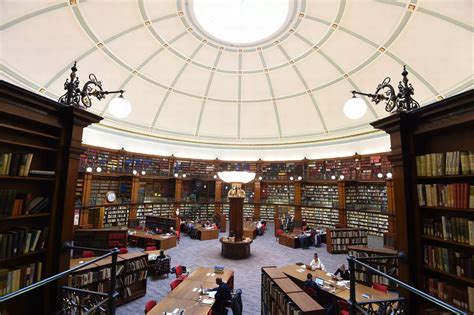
point(445, 163)
point(15, 164)
point(21, 241)
point(15, 278)
point(13, 203)
point(459, 296)
point(450, 261)
point(41, 173)
point(457, 195)
point(456, 229)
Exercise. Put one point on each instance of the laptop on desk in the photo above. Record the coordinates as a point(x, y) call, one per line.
point(319, 282)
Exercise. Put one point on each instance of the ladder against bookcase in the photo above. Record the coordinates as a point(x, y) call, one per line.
point(40, 147)
point(433, 178)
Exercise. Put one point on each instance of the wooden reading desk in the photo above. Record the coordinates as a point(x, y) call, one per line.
point(186, 295)
point(162, 241)
point(205, 234)
point(295, 272)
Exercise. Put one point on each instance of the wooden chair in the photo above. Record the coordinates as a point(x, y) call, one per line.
point(279, 232)
point(380, 287)
point(174, 284)
point(149, 305)
point(87, 254)
point(344, 308)
point(123, 250)
point(310, 291)
point(179, 270)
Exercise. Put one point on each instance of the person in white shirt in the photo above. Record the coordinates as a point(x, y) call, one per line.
point(316, 263)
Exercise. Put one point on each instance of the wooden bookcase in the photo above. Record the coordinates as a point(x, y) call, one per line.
point(445, 126)
point(162, 223)
point(367, 278)
point(280, 295)
point(338, 240)
point(32, 124)
point(132, 269)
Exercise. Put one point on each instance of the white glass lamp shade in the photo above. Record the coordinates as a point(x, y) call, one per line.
point(236, 177)
point(355, 108)
point(120, 107)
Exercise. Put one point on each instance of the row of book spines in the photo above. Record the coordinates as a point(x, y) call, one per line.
point(356, 233)
point(89, 277)
point(22, 241)
point(347, 241)
point(367, 278)
point(14, 279)
point(454, 295)
point(445, 163)
point(457, 195)
point(15, 164)
point(454, 229)
point(15, 204)
point(446, 260)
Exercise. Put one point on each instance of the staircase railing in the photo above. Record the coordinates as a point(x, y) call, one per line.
point(71, 301)
point(393, 306)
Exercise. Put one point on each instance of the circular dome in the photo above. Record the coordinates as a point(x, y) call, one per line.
point(241, 22)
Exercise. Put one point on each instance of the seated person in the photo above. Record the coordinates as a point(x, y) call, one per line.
point(172, 231)
point(303, 240)
point(342, 272)
point(309, 282)
point(259, 226)
point(223, 294)
point(316, 263)
point(162, 254)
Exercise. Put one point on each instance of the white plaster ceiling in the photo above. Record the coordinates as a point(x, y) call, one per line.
point(288, 89)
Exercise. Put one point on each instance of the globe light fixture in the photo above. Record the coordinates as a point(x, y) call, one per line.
point(292, 178)
point(380, 175)
point(395, 101)
point(75, 96)
point(184, 175)
point(260, 178)
point(119, 107)
point(333, 177)
point(355, 108)
point(176, 174)
point(300, 178)
point(236, 179)
point(143, 173)
point(389, 175)
point(98, 169)
point(89, 169)
point(134, 172)
point(215, 176)
point(341, 177)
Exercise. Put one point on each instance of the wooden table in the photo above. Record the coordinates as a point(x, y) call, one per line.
point(338, 292)
point(289, 240)
point(236, 249)
point(162, 241)
point(186, 295)
point(205, 234)
point(250, 232)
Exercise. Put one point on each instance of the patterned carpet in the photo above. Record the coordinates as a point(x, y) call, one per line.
point(265, 251)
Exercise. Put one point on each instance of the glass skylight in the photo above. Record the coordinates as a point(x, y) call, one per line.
point(241, 21)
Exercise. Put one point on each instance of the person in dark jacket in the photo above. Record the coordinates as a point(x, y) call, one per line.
point(223, 294)
point(342, 272)
point(309, 283)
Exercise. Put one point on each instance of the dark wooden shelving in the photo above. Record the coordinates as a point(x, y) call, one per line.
point(25, 216)
point(450, 275)
point(26, 178)
point(447, 209)
point(14, 258)
point(437, 239)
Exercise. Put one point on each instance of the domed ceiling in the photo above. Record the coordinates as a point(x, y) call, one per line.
point(285, 85)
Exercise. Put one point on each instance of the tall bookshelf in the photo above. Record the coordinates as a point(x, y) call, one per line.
point(339, 239)
point(280, 295)
point(31, 125)
point(434, 130)
point(131, 276)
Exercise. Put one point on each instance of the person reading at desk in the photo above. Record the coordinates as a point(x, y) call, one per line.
point(316, 263)
point(223, 294)
point(342, 272)
point(309, 282)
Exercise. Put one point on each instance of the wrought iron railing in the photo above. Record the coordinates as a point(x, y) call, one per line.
point(397, 305)
point(75, 300)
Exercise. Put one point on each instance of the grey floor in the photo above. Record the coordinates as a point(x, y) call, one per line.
point(265, 251)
